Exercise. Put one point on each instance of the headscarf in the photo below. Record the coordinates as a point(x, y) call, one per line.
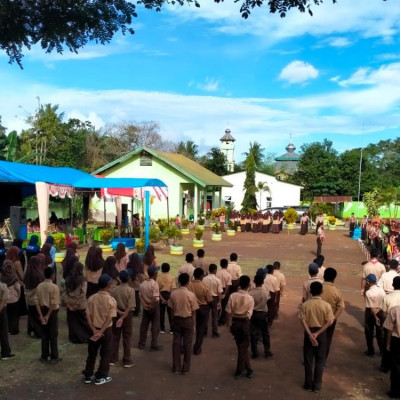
point(8, 273)
point(75, 277)
point(110, 268)
point(94, 259)
point(135, 264)
point(68, 263)
point(50, 240)
point(13, 254)
point(149, 256)
point(46, 251)
point(34, 273)
point(42, 259)
point(120, 253)
point(34, 240)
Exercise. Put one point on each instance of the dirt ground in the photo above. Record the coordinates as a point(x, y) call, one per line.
point(349, 373)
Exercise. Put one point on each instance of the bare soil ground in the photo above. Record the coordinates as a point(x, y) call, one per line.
point(349, 373)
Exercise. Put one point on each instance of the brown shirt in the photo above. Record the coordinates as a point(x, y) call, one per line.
point(392, 322)
point(201, 291)
point(306, 286)
point(149, 292)
point(391, 300)
point(76, 299)
point(281, 278)
point(31, 296)
point(48, 294)
point(124, 295)
point(183, 302)
point(166, 282)
point(373, 267)
point(225, 278)
point(235, 270)
point(201, 263)
point(332, 295)
point(316, 312)
point(240, 304)
point(188, 269)
point(214, 284)
point(260, 296)
point(100, 307)
point(271, 283)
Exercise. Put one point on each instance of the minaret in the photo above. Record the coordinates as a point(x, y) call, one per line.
point(228, 148)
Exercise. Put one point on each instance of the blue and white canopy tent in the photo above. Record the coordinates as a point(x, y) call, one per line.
point(64, 181)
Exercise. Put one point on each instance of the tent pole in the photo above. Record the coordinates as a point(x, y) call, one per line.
point(70, 212)
point(147, 220)
point(105, 213)
point(168, 209)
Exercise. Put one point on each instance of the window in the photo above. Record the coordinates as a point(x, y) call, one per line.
point(146, 160)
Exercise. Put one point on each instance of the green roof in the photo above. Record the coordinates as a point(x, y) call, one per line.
point(184, 165)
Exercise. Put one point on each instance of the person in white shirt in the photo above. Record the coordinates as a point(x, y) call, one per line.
point(372, 267)
point(386, 280)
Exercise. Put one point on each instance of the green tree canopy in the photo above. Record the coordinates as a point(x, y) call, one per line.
point(215, 161)
point(188, 149)
point(249, 200)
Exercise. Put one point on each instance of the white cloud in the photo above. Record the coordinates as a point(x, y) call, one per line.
point(298, 72)
point(340, 42)
point(209, 85)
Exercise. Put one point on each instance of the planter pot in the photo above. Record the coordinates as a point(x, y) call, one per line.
point(60, 256)
point(290, 226)
point(171, 241)
point(106, 247)
point(185, 231)
point(90, 241)
point(239, 229)
point(216, 237)
point(332, 227)
point(198, 243)
point(176, 250)
point(230, 232)
point(202, 227)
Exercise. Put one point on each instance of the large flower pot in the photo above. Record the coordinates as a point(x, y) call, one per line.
point(106, 248)
point(290, 226)
point(202, 227)
point(331, 227)
point(239, 229)
point(230, 232)
point(198, 243)
point(216, 237)
point(185, 231)
point(60, 256)
point(176, 250)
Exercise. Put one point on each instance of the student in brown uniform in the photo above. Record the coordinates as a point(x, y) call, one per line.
point(332, 295)
point(316, 316)
point(200, 262)
point(258, 321)
point(282, 283)
point(271, 283)
point(101, 309)
point(124, 295)
point(183, 305)
point(150, 298)
point(48, 304)
point(204, 298)
point(188, 267)
point(214, 284)
point(313, 272)
point(166, 284)
point(239, 311)
point(4, 342)
point(235, 270)
point(226, 280)
point(372, 267)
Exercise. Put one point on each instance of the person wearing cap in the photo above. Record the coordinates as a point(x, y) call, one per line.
point(124, 295)
point(372, 267)
point(200, 262)
point(188, 267)
point(183, 305)
point(214, 284)
point(204, 298)
point(313, 272)
point(372, 323)
point(392, 347)
point(100, 311)
point(239, 311)
point(149, 293)
point(258, 321)
point(226, 280)
point(389, 301)
point(166, 284)
point(316, 316)
point(386, 280)
point(332, 295)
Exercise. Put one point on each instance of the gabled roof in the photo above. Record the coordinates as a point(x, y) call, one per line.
point(184, 165)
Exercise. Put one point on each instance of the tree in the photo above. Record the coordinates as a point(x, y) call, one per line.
point(389, 197)
point(318, 170)
point(188, 149)
point(249, 200)
point(215, 161)
point(258, 154)
point(60, 25)
point(261, 188)
point(371, 201)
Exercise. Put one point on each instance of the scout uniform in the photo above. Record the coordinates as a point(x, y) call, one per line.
point(48, 295)
point(200, 262)
point(372, 267)
point(124, 295)
point(101, 308)
point(183, 305)
point(271, 284)
point(315, 313)
point(306, 287)
point(187, 268)
point(166, 284)
point(259, 322)
point(282, 283)
point(386, 280)
point(214, 284)
point(4, 342)
point(204, 298)
point(226, 281)
point(240, 306)
point(236, 272)
point(332, 295)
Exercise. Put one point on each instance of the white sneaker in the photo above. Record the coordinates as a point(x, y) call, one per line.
point(102, 381)
point(162, 331)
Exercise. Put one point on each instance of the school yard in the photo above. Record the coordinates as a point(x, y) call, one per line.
point(349, 373)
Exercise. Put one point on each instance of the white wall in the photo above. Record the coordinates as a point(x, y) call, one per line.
point(282, 193)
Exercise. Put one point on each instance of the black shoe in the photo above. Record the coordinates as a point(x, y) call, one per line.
point(156, 348)
point(8, 356)
point(369, 354)
point(216, 335)
point(308, 388)
point(254, 356)
point(55, 360)
point(316, 389)
point(268, 354)
point(250, 373)
point(237, 375)
point(43, 360)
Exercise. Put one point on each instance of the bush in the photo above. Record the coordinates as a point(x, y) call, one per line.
point(231, 225)
point(173, 232)
point(162, 224)
point(290, 216)
point(184, 223)
point(217, 228)
point(140, 246)
point(331, 220)
point(154, 235)
point(106, 235)
point(198, 233)
point(59, 241)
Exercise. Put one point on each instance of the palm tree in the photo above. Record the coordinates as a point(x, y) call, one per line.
point(262, 187)
point(258, 153)
point(188, 149)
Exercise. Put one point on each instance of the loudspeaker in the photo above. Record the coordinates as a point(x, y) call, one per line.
point(18, 221)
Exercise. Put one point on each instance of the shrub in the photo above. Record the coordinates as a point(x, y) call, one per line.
point(331, 220)
point(198, 233)
point(140, 246)
point(216, 228)
point(59, 241)
point(162, 224)
point(106, 235)
point(184, 223)
point(173, 232)
point(290, 215)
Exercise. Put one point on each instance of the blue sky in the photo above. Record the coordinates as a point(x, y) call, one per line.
point(335, 75)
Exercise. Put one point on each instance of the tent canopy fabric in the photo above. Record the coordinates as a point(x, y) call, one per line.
point(27, 173)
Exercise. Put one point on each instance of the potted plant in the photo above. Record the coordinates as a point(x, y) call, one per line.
point(331, 223)
point(231, 228)
point(163, 225)
point(216, 236)
point(185, 226)
point(154, 235)
point(60, 245)
point(290, 216)
point(105, 237)
point(140, 245)
point(198, 237)
point(89, 236)
point(201, 221)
